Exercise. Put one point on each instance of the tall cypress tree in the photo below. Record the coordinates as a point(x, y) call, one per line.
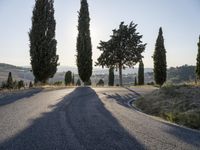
point(44, 60)
point(73, 79)
point(198, 61)
point(9, 81)
point(68, 78)
point(159, 57)
point(135, 81)
point(111, 77)
point(84, 46)
point(141, 73)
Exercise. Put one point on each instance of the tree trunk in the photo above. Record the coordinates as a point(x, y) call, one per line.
point(120, 75)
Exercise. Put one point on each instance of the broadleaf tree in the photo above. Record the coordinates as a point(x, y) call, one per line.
point(44, 60)
point(160, 62)
point(124, 49)
point(84, 46)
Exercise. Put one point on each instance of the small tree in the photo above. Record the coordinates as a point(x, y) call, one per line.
point(198, 61)
point(78, 83)
point(124, 49)
point(135, 81)
point(84, 46)
point(20, 84)
point(10, 81)
point(100, 83)
point(73, 80)
point(111, 77)
point(30, 84)
point(160, 62)
point(141, 73)
point(68, 78)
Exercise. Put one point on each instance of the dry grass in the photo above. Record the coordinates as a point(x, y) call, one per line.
point(179, 104)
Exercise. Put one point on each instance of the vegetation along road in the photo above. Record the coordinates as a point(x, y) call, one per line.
point(86, 119)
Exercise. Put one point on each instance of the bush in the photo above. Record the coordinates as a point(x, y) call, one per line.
point(20, 84)
point(100, 83)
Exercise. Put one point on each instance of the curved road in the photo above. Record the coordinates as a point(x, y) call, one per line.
point(85, 119)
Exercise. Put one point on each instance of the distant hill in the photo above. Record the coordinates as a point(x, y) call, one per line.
point(175, 74)
point(24, 73)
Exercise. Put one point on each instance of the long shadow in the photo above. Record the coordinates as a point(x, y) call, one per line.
point(121, 99)
point(189, 136)
point(10, 98)
point(136, 93)
point(78, 121)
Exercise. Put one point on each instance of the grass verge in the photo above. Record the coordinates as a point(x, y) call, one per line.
point(176, 103)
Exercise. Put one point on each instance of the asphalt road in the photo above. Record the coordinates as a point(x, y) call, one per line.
point(85, 119)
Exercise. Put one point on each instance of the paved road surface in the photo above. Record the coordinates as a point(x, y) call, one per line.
point(85, 119)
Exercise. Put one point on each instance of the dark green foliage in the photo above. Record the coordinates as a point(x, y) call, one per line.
point(9, 83)
point(141, 73)
point(160, 63)
point(135, 83)
point(30, 84)
point(198, 61)
point(68, 78)
point(44, 60)
point(111, 77)
point(78, 83)
point(3, 85)
point(124, 49)
point(84, 46)
point(88, 82)
point(20, 84)
point(100, 83)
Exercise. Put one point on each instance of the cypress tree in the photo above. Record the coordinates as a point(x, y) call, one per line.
point(78, 83)
point(141, 73)
point(198, 61)
point(111, 77)
point(135, 81)
point(44, 60)
point(68, 78)
point(84, 46)
point(159, 57)
point(73, 79)
point(10, 81)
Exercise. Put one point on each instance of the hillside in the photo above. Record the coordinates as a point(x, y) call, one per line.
point(179, 104)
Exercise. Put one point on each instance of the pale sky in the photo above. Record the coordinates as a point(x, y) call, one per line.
point(178, 18)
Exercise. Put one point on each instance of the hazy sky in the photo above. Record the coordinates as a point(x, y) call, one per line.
point(178, 18)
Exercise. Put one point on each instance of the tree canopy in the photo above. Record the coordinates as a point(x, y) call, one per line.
point(84, 46)
point(124, 49)
point(198, 61)
point(44, 60)
point(160, 62)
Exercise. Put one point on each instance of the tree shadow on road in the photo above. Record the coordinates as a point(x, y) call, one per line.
point(78, 121)
point(10, 98)
point(121, 99)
